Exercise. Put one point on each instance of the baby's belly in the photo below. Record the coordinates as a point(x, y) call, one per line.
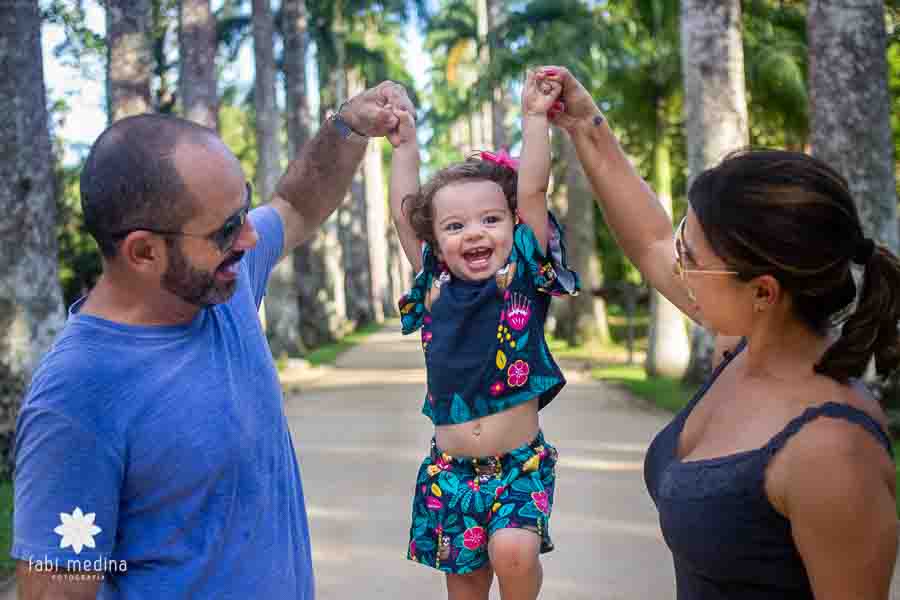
point(491, 435)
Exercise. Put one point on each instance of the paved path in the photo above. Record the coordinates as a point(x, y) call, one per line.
point(360, 438)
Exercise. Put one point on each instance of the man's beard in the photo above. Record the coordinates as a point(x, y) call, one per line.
point(194, 286)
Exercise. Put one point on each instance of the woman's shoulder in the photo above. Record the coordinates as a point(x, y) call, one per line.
point(848, 431)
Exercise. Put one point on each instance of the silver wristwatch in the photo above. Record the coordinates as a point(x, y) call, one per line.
point(344, 128)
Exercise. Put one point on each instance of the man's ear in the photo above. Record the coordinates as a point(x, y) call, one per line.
point(142, 251)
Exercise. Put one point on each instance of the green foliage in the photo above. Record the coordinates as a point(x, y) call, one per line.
point(775, 64)
point(7, 563)
point(79, 258)
point(80, 41)
point(236, 128)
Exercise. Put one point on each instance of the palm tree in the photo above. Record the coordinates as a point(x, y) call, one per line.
point(197, 47)
point(31, 310)
point(129, 65)
point(496, 17)
point(851, 108)
point(281, 312)
point(715, 106)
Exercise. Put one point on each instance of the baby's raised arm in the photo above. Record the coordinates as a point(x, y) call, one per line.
point(538, 98)
point(405, 181)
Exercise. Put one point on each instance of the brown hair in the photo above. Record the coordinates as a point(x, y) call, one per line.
point(419, 207)
point(791, 216)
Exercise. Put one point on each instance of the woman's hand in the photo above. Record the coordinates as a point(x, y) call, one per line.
point(578, 107)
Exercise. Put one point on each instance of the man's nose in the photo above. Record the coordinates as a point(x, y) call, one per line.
point(247, 238)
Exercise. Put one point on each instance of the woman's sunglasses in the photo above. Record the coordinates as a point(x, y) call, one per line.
point(681, 270)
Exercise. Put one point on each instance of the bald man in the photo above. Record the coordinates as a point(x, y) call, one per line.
point(153, 458)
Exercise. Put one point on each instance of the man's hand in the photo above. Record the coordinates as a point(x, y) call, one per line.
point(372, 113)
point(579, 107)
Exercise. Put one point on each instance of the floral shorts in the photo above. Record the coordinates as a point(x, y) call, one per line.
point(460, 503)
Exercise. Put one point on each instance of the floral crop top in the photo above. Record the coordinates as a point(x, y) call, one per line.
point(484, 343)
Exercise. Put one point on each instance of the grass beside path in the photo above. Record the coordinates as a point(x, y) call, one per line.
point(670, 394)
point(7, 564)
point(327, 354)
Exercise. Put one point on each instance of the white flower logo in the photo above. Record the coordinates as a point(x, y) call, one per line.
point(77, 530)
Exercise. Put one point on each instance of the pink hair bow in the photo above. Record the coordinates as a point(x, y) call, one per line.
point(501, 158)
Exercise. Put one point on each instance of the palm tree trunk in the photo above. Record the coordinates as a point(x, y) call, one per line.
point(482, 118)
point(320, 286)
point(354, 234)
point(289, 274)
point(712, 59)
point(668, 350)
point(377, 230)
point(496, 15)
point(197, 47)
point(851, 107)
point(583, 317)
point(31, 307)
point(294, 33)
point(129, 57)
point(282, 310)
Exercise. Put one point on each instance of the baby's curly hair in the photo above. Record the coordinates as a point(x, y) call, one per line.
point(419, 207)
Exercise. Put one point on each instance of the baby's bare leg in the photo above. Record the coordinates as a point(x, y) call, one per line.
point(515, 558)
point(471, 586)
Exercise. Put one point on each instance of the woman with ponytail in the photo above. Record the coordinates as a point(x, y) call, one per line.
point(777, 480)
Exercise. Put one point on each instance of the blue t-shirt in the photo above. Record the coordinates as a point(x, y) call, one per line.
point(484, 343)
point(174, 439)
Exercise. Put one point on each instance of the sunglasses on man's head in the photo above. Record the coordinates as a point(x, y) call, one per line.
point(223, 237)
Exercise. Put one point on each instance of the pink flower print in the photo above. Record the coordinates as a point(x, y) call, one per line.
point(474, 538)
point(473, 485)
point(433, 503)
point(412, 549)
point(517, 374)
point(518, 311)
point(497, 388)
point(499, 490)
point(427, 319)
point(541, 502)
point(506, 295)
point(426, 336)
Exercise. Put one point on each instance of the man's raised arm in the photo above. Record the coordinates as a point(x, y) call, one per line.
point(318, 179)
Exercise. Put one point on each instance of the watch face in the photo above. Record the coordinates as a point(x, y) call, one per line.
point(341, 125)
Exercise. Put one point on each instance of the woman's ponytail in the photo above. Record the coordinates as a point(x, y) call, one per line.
point(872, 328)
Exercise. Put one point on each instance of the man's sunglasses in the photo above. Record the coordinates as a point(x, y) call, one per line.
point(223, 237)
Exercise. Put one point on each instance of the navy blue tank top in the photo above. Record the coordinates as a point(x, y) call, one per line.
point(726, 538)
